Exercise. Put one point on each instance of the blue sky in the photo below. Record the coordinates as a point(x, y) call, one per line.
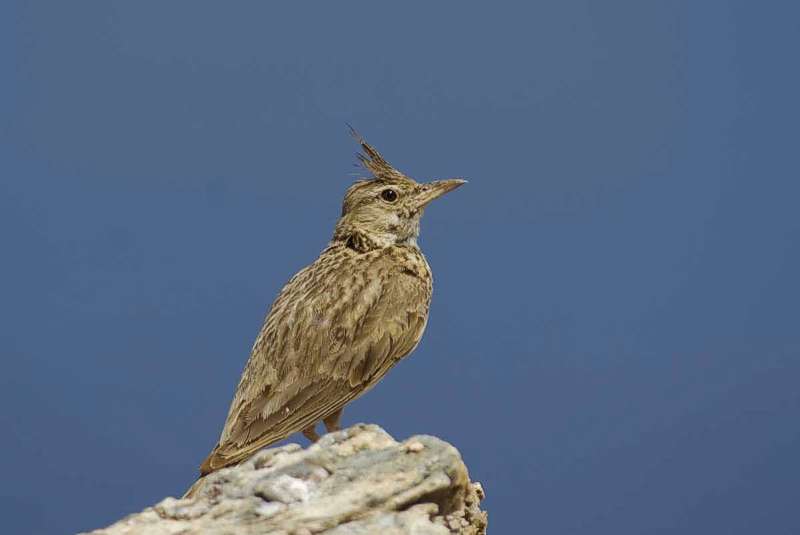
point(613, 343)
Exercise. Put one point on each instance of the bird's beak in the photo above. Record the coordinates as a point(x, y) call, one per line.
point(433, 190)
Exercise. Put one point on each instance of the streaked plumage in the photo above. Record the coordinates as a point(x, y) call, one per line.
point(341, 323)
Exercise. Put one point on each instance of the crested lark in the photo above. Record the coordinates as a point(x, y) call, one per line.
point(341, 323)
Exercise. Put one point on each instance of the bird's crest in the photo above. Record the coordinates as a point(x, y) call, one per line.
point(371, 160)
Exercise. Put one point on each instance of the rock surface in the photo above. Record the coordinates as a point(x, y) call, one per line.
point(352, 482)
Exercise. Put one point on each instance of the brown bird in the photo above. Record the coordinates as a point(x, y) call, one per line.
point(342, 322)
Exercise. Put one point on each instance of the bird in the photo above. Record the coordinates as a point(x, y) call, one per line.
point(341, 323)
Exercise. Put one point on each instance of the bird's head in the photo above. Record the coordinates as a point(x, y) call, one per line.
point(385, 209)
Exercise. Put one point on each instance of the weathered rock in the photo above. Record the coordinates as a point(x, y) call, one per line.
point(354, 482)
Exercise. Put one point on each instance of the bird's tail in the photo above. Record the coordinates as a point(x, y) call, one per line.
point(193, 490)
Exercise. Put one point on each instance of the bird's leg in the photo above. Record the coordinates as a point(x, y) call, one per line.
point(332, 421)
point(311, 433)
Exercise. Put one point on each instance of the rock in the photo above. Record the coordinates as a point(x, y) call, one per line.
point(358, 481)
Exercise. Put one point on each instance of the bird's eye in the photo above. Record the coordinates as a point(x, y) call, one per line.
point(389, 195)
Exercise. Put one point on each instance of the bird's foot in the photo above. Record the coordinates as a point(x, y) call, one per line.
point(332, 421)
point(311, 433)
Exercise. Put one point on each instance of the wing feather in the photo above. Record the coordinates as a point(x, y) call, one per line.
point(336, 328)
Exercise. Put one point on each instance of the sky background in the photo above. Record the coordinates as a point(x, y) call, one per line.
point(613, 343)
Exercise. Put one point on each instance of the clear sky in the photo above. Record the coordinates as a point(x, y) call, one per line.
point(613, 343)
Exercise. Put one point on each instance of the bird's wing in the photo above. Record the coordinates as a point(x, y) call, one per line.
point(337, 327)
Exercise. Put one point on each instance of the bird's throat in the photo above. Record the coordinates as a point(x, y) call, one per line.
point(369, 241)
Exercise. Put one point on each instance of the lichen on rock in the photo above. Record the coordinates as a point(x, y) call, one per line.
point(352, 482)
